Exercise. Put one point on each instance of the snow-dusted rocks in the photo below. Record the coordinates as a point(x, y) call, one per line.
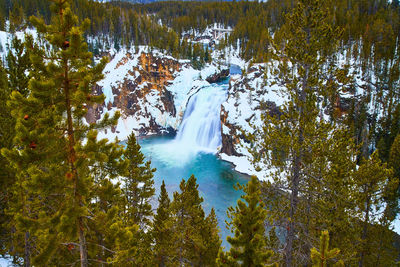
point(135, 84)
point(248, 97)
point(150, 90)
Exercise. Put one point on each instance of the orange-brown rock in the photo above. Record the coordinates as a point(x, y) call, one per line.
point(151, 73)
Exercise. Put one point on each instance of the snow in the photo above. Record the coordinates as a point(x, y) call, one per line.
point(186, 82)
point(125, 66)
point(5, 262)
point(115, 72)
point(6, 37)
point(396, 225)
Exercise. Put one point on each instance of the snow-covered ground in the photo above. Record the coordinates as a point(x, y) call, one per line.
point(186, 82)
point(396, 225)
point(5, 262)
point(243, 111)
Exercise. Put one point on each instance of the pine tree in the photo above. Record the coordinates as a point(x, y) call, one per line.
point(211, 240)
point(291, 142)
point(247, 225)
point(188, 220)
point(19, 64)
point(139, 184)
point(321, 258)
point(374, 181)
point(7, 175)
point(16, 18)
point(161, 229)
point(138, 190)
point(53, 163)
point(394, 158)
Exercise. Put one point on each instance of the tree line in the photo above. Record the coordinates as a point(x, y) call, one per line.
point(370, 28)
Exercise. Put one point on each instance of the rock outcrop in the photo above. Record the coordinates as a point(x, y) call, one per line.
point(218, 76)
point(149, 89)
point(136, 85)
point(248, 98)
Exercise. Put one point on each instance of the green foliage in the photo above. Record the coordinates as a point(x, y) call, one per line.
point(161, 231)
point(138, 183)
point(7, 175)
point(57, 157)
point(247, 225)
point(191, 244)
point(19, 64)
point(324, 255)
point(374, 181)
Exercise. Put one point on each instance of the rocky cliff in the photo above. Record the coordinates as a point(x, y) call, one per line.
point(150, 90)
point(256, 93)
point(248, 98)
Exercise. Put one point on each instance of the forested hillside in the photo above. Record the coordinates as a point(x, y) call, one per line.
point(315, 109)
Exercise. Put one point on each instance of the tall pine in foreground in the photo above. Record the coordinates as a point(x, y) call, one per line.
point(53, 163)
point(189, 245)
point(138, 190)
point(7, 177)
point(248, 246)
point(161, 229)
point(293, 143)
point(138, 183)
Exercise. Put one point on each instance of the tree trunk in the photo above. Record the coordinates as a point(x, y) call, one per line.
point(296, 169)
point(82, 242)
point(72, 159)
point(293, 206)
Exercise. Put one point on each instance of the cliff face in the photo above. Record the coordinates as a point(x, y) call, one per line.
point(136, 85)
point(149, 89)
point(248, 98)
point(147, 83)
point(255, 93)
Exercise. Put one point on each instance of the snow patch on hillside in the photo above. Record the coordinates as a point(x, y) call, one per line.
point(185, 83)
point(244, 108)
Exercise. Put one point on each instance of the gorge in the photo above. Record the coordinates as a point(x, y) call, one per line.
point(193, 151)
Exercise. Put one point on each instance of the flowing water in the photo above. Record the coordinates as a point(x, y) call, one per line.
point(193, 150)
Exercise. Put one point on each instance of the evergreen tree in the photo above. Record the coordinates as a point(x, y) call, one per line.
point(19, 64)
point(394, 158)
point(139, 184)
point(291, 143)
point(162, 233)
point(374, 181)
point(211, 240)
point(247, 224)
point(321, 258)
point(7, 175)
point(188, 220)
point(53, 163)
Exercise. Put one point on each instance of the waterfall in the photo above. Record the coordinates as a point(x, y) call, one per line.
point(200, 129)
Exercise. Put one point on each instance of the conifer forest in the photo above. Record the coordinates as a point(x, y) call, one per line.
point(199, 133)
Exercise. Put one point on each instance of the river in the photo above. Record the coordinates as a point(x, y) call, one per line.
point(193, 151)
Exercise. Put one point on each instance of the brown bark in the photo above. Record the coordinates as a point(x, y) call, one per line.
point(295, 179)
point(72, 159)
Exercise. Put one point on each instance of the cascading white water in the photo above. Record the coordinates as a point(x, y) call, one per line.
point(200, 129)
